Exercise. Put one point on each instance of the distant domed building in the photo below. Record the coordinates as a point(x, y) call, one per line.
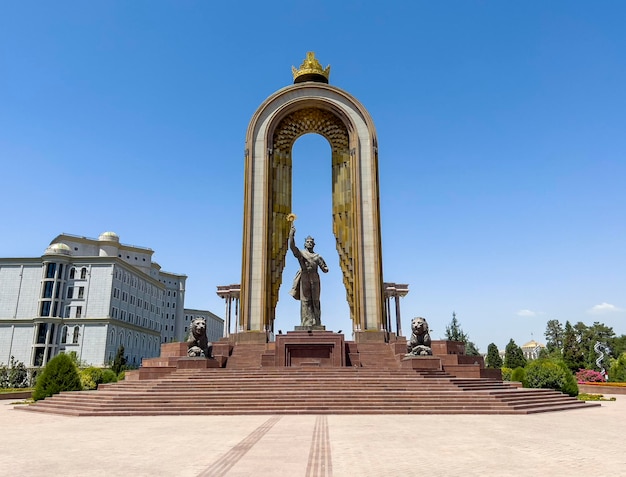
point(532, 349)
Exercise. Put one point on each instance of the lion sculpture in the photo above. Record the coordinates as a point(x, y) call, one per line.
point(198, 345)
point(419, 344)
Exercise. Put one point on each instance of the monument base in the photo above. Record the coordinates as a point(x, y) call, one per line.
point(371, 336)
point(426, 363)
point(310, 328)
point(310, 348)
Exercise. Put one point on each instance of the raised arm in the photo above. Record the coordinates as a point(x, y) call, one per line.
point(292, 242)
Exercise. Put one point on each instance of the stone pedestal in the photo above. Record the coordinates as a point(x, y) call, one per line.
point(197, 363)
point(256, 337)
point(426, 363)
point(310, 348)
point(371, 336)
point(310, 328)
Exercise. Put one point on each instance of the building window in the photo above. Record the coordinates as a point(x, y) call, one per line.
point(50, 269)
point(79, 311)
point(81, 292)
point(75, 336)
point(72, 273)
point(42, 329)
point(47, 289)
point(64, 335)
point(45, 308)
point(83, 273)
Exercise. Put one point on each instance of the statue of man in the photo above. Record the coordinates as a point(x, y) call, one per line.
point(306, 285)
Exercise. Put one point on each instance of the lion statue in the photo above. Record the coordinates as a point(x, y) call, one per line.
point(419, 344)
point(198, 345)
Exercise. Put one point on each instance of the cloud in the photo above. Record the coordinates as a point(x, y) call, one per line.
point(526, 313)
point(603, 308)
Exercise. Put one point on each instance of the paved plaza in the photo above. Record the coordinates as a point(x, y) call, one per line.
point(585, 442)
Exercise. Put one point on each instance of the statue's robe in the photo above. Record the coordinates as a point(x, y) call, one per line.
point(306, 286)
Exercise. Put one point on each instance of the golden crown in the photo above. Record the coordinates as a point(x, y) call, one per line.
point(310, 70)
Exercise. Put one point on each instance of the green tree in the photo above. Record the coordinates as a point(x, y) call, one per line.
point(592, 334)
point(119, 362)
point(454, 332)
point(617, 373)
point(493, 356)
point(554, 336)
point(617, 345)
point(60, 374)
point(572, 354)
point(513, 356)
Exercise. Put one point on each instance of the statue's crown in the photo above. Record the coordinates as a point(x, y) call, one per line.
point(310, 70)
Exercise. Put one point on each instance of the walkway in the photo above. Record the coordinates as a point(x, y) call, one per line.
point(571, 443)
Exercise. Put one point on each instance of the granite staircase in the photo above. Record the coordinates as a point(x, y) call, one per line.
point(301, 390)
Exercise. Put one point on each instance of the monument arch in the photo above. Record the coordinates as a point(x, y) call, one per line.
point(311, 105)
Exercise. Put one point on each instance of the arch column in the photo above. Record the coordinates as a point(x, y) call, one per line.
point(279, 121)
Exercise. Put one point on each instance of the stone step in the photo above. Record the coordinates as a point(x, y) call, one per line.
point(311, 391)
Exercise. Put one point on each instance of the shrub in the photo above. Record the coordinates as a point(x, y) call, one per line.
point(90, 377)
point(18, 374)
point(14, 376)
point(60, 374)
point(108, 376)
point(551, 374)
point(4, 376)
point(518, 374)
point(506, 374)
point(589, 376)
point(617, 374)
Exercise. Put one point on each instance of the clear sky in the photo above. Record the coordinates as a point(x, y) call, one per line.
point(501, 130)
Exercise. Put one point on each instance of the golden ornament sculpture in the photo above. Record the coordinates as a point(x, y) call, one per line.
point(310, 70)
point(291, 217)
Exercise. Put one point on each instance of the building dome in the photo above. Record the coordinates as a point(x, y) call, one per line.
point(532, 344)
point(58, 249)
point(109, 237)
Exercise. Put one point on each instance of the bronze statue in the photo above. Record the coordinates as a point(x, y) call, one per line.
point(420, 342)
point(306, 285)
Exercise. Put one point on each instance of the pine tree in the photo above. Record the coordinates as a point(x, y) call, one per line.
point(119, 361)
point(513, 356)
point(493, 357)
point(554, 336)
point(572, 353)
point(454, 332)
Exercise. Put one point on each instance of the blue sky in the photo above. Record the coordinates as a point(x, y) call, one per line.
point(501, 130)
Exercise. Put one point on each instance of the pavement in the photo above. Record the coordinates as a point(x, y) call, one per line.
point(583, 442)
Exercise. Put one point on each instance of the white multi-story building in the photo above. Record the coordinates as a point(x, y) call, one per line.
point(214, 324)
point(89, 296)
